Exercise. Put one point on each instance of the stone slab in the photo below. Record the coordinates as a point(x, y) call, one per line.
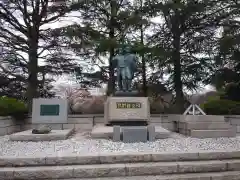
point(202, 118)
point(116, 133)
point(151, 133)
point(162, 133)
point(62, 116)
point(207, 125)
point(101, 131)
point(126, 109)
point(212, 133)
point(135, 134)
point(28, 136)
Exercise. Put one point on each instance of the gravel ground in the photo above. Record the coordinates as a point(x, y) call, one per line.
point(82, 144)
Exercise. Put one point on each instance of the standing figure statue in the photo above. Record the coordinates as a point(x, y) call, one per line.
point(126, 64)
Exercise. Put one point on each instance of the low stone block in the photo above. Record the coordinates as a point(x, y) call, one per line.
point(134, 134)
point(156, 157)
point(3, 131)
point(213, 133)
point(21, 161)
point(116, 133)
point(6, 173)
point(124, 157)
point(161, 133)
point(6, 122)
point(13, 129)
point(68, 126)
point(218, 155)
point(53, 135)
point(83, 127)
point(80, 120)
point(151, 133)
point(233, 165)
point(160, 168)
point(225, 175)
point(202, 166)
point(102, 131)
point(55, 172)
point(98, 120)
point(88, 159)
point(94, 171)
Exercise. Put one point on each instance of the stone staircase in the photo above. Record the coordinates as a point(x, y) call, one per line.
point(206, 127)
point(131, 166)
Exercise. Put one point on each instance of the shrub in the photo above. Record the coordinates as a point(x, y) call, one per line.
point(12, 107)
point(221, 107)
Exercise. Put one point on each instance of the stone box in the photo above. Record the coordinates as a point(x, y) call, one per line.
point(126, 109)
point(49, 111)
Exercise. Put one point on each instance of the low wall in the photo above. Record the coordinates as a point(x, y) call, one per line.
point(86, 122)
point(234, 120)
point(8, 126)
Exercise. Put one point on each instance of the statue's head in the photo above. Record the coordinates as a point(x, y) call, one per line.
point(126, 49)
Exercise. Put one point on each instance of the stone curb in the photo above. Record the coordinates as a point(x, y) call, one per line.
point(118, 170)
point(111, 158)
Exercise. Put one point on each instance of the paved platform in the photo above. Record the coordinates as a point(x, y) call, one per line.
point(53, 135)
point(106, 132)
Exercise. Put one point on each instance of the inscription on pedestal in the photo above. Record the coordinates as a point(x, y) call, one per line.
point(128, 105)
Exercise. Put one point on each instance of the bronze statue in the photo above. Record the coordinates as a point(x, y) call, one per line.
point(126, 64)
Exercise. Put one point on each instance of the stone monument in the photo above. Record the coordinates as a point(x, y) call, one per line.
point(48, 111)
point(125, 108)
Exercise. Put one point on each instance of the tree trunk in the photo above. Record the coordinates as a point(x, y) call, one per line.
point(32, 88)
point(177, 62)
point(144, 87)
point(177, 75)
point(111, 81)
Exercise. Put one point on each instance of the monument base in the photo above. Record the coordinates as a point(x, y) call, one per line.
point(131, 122)
point(126, 109)
point(117, 133)
point(127, 94)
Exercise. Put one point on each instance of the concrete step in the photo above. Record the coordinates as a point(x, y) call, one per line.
point(230, 175)
point(112, 158)
point(207, 125)
point(118, 170)
point(212, 133)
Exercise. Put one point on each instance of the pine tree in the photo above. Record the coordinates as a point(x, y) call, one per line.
point(24, 37)
point(186, 34)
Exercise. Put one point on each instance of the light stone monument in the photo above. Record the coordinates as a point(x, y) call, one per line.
point(47, 111)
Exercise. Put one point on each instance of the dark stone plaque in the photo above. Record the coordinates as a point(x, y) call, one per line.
point(49, 110)
point(128, 105)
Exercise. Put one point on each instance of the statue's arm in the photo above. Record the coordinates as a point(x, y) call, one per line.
point(135, 62)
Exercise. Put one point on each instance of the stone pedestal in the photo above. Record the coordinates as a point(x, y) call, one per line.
point(125, 109)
